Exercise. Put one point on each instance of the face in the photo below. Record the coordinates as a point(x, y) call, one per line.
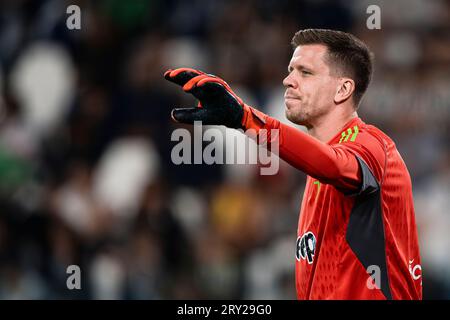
point(310, 89)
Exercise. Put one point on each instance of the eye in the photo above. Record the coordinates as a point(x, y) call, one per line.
point(306, 72)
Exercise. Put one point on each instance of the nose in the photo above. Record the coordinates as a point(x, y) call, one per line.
point(288, 82)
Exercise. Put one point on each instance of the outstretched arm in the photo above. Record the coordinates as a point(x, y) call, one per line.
point(219, 105)
point(330, 164)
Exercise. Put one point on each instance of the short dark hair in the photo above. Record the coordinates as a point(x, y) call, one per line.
point(348, 55)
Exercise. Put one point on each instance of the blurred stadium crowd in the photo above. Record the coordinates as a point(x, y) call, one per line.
point(86, 176)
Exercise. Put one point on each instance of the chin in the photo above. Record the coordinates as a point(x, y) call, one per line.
point(295, 118)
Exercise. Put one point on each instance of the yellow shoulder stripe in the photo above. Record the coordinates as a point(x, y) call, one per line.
point(349, 134)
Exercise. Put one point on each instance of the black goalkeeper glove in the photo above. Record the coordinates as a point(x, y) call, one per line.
point(218, 104)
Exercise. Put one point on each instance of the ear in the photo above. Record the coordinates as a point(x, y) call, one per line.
point(344, 90)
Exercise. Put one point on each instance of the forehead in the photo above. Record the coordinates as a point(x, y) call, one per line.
point(310, 55)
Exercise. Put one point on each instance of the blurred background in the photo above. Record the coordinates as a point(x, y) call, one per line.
point(86, 176)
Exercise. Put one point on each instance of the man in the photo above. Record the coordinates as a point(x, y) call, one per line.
point(357, 236)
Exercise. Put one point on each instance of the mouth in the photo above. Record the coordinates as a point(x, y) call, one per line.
point(290, 96)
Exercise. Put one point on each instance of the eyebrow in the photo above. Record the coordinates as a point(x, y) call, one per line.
point(300, 67)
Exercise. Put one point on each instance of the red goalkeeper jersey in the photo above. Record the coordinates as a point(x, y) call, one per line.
point(357, 235)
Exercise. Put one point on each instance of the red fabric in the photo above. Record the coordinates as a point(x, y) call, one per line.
point(335, 272)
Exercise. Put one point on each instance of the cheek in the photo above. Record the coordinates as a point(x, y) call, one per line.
point(311, 92)
point(326, 91)
point(317, 92)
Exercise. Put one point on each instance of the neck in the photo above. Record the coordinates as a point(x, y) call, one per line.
point(329, 125)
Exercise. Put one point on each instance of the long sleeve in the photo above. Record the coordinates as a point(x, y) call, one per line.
point(330, 164)
point(343, 165)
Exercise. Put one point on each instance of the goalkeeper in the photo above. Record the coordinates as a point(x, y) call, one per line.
point(357, 235)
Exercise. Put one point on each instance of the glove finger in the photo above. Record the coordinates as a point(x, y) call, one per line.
point(189, 115)
point(213, 91)
point(209, 81)
point(192, 83)
point(181, 76)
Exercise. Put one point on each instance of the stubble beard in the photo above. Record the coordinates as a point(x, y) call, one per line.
point(299, 117)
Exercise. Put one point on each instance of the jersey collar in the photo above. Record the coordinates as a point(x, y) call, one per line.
point(352, 123)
